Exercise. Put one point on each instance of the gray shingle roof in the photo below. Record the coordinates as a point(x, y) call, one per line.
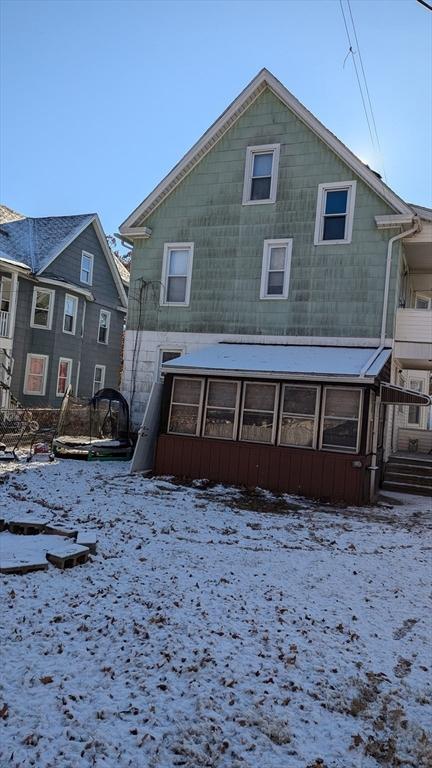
point(36, 241)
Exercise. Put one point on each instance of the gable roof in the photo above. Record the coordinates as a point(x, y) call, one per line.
point(264, 79)
point(123, 270)
point(37, 242)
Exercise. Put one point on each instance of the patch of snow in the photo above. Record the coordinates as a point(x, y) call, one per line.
point(216, 628)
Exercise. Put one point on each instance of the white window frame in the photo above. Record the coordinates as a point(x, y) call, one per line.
point(68, 377)
point(247, 184)
point(51, 294)
point(350, 186)
point(31, 355)
point(108, 314)
point(178, 350)
point(315, 416)
point(168, 247)
point(194, 405)
point(102, 382)
point(423, 298)
point(222, 408)
point(75, 300)
point(268, 245)
point(412, 385)
point(86, 254)
point(359, 419)
point(260, 410)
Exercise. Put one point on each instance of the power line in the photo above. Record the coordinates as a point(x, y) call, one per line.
point(367, 89)
point(426, 5)
point(351, 51)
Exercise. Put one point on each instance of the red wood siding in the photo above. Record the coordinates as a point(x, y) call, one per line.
point(325, 475)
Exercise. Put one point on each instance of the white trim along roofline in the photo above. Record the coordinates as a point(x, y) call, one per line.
point(272, 375)
point(93, 219)
point(264, 79)
point(67, 286)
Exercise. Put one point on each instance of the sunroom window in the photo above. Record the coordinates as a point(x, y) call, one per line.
point(258, 412)
point(341, 419)
point(298, 421)
point(221, 406)
point(186, 405)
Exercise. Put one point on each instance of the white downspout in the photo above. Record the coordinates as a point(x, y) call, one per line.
point(406, 233)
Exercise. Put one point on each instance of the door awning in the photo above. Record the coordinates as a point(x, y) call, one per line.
point(393, 395)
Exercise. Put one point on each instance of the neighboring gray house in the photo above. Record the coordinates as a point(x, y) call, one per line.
point(63, 306)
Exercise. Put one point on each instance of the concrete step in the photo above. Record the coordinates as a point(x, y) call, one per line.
point(419, 490)
point(409, 469)
point(422, 461)
point(408, 479)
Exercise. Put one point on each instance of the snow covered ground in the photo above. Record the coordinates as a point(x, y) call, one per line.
point(215, 628)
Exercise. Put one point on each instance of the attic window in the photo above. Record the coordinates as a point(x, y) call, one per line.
point(261, 172)
point(86, 275)
point(335, 213)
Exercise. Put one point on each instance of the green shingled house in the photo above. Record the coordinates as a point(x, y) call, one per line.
point(270, 275)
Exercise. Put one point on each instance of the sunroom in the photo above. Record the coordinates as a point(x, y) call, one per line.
point(300, 419)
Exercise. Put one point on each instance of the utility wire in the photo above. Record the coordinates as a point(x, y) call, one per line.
point(351, 51)
point(367, 89)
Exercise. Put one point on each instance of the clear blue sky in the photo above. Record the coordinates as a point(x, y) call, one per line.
point(101, 98)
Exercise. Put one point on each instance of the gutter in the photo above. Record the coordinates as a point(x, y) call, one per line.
point(385, 222)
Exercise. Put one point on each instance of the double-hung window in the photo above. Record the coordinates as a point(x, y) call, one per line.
point(220, 419)
point(275, 269)
point(186, 406)
point(261, 174)
point(299, 416)
point(335, 213)
point(42, 308)
point(86, 274)
point(164, 356)
point(414, 410)
point(422, 302)
point(35, 374)
point(98, 378)
point(176, 274)
point(104, 326)
point(64, 375)
point(70, 313)
point(258, 412)
point(342, 410)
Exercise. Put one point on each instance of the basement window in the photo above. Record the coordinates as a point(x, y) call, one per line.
point(261, 174)
point(335, 213)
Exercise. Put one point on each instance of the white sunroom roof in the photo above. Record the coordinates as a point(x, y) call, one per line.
point(280, 359)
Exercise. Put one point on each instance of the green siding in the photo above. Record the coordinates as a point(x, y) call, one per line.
point(334, 290)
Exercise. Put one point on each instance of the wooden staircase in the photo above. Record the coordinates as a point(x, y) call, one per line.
point(409, 473)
